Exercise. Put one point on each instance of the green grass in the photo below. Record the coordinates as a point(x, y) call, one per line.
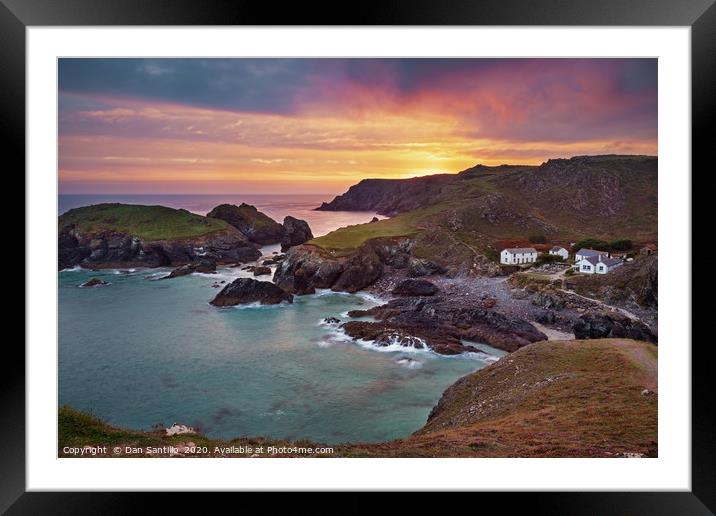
point(346, 239)
point(146, 222)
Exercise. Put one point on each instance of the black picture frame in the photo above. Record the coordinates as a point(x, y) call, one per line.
point(17, 15)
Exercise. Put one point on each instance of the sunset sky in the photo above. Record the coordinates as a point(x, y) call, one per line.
point(319, 125)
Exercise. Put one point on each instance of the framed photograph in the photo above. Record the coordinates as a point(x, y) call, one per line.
point(276, 251)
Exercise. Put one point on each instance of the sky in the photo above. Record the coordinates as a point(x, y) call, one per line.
point(302, 126)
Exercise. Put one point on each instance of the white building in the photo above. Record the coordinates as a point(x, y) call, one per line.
point(518, 255)
point(559, 251)
point(597, 264)
point(589, 253)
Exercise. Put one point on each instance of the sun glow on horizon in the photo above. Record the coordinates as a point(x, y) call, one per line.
point(329, 128)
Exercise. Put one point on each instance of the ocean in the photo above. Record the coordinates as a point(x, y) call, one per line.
point(142, 351)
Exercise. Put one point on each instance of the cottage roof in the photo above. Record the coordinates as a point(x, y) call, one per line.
point(594, 260)
point(522, 250)
point(591, 252)
point(610, 261)
point(557, 248)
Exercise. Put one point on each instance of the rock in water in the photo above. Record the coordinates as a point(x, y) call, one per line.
point(415, 287)
point(295, 232)
point(331, 320)
point(255, 225)
point(443, 324)
point(248, 290)
point(262, 271)
point(94, 282)
point(600, 325)
point(206, 266)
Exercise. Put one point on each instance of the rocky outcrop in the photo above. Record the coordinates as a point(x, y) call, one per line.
point(106, 248)
point(94, 282)
point(295, 232)
point(548, 299)
point(205, 266)
point(443, 323)
point(422, 267)
point(307, 268)
point(415, 287)
point(380, 334)
point(262, 271)
point(595, 325)
point(546, 317)
point(359, 271)
point(255, 225)
point(248, 290)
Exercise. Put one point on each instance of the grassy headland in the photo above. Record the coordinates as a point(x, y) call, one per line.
point(146, 222)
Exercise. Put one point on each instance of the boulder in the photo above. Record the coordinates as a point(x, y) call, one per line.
point(94, 282)
point(255, 225)
point(546, 317)
point(248, 290)
point(415, 287)
point(262, 271)
point(374, 219)
point(295, 232)
point(548, 299)
point(595, 325)
point(331, 320)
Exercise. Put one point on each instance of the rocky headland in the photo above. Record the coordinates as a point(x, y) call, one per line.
point(122, 235)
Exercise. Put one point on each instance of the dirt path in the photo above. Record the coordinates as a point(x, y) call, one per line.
point(551, 333)
point(622, 311)
point(647, 361)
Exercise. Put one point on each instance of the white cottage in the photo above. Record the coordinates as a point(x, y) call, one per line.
point(559, 251)
point(518, 255)
point(597, 264)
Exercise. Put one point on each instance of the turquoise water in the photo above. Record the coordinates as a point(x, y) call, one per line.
point(140, 352)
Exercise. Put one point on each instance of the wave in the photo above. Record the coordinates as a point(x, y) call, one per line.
point(480, 355)
point(76, 268)
point(373, 298)
point(123, 271)
point(320, 292)
point(257, 304)
point(409, 363)
point(420, 346)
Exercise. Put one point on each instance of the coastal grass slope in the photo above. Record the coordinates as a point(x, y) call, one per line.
point(149, 223)
point(578, 398)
